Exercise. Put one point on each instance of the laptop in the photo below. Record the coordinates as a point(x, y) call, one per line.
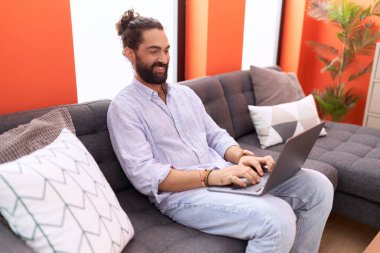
point(292, 157)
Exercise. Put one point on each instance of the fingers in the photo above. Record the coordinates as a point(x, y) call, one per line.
point(268, 161)
point(252, 162)
point(248, 152)
point(257, 166)
point(237, 181)
point(234, 174)
point(249, 174)
point(245, 178)
point(258, 163)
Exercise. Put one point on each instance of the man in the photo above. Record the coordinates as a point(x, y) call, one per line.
point(170, 149)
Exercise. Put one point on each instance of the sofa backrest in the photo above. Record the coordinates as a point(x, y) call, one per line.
point(90, 122)
point(239, 93)
point(210, 91)
point(226, 98)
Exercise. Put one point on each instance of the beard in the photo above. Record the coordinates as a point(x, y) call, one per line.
point(147, 74)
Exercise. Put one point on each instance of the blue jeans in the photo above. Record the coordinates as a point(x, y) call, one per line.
point(289, 218)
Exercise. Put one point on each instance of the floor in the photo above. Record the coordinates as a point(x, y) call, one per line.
point(343, 235)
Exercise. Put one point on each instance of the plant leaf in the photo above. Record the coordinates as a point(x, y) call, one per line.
point(331, 66)
point(334, 101)
point(364, 38)
point(323, 49)
point(318, 9)
point(363, 71)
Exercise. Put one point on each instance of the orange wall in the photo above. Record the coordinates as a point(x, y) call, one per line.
point(292, 34)
point(225, 35)
point(214, 36)
point(298, 57)
point(196, 38)
point(36, 55)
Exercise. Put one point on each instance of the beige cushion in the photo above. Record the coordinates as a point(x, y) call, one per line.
point(273, 87)
point(275, 124)
point(30, 137)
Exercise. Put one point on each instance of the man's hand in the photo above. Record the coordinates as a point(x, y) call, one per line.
point(257, 163)
point(249, 167)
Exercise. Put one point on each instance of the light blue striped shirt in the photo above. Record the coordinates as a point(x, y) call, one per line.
point(150, 137)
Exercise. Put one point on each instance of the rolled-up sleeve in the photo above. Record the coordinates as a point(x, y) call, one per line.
point(134, 151)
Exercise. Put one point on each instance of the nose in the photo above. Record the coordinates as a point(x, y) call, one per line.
point(164, 57)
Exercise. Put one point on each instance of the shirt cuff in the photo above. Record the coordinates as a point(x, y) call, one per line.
point(158, 177)
point(222, 146)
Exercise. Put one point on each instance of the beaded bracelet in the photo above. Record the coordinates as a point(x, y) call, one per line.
point(202, 175)
point(205, 173)
point(208, 174)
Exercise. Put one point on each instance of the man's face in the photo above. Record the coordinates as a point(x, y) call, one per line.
point(152, 57)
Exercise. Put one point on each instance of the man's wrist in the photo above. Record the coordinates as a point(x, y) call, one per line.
point(245, 152)
point(235, 153)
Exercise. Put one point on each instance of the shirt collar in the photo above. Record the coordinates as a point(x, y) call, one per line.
point(146, 91)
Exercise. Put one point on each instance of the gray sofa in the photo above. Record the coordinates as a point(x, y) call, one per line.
point(349, 152)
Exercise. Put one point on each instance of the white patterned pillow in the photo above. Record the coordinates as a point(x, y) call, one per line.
point(275, 124)
point(57, 200)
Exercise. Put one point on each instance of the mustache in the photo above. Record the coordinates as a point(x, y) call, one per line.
point(160, 64)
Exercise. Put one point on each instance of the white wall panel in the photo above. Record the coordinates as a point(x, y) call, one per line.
point(261, 32)
point(101, 69)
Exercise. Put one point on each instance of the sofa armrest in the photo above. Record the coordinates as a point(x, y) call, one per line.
point(10, 243)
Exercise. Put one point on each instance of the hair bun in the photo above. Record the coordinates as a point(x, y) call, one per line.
point(125, 20)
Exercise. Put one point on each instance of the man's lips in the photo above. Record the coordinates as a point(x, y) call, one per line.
point(160, 68)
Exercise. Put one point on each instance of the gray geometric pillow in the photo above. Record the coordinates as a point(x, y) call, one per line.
point(275, 124)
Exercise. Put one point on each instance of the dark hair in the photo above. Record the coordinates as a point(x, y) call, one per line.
point(131, 26)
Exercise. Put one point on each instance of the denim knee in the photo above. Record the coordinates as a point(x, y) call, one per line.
point(278, 228)
point(323, 188)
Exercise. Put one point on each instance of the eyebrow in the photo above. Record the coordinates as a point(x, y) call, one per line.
point(157, 47)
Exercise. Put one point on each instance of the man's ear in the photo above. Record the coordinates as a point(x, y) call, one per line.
point(129, 53)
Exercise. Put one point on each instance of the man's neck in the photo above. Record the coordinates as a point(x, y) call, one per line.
point(159, 88)
point(156, 87)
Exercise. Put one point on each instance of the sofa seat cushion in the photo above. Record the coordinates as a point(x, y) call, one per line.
point(354, 152)
point(10, 243)
point(155, 232)
point(326, 169)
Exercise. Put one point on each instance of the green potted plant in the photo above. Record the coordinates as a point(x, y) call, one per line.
point(358, 35)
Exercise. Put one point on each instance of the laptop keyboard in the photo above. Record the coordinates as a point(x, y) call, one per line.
point(255, 187)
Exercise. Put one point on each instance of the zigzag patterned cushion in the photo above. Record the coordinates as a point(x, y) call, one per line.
point(275, 124)
point(57, 200)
